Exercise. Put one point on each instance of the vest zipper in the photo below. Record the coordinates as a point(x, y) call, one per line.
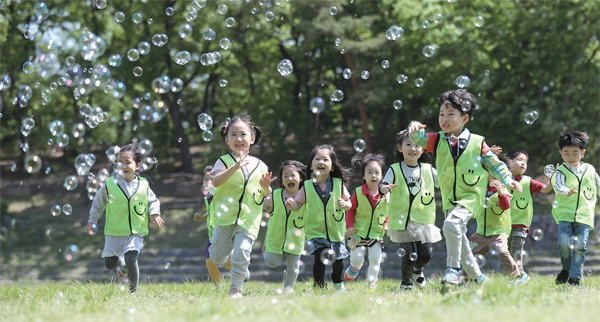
point(578, 191)
point(372, 212)
point(325, 215)
point(244, 191)
point(128, 205)
point(485, 222)
point(287, 217)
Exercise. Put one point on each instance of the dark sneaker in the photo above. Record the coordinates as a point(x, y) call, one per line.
point(562, 277)
point(573, 281)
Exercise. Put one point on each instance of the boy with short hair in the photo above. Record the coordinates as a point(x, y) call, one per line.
point(576, 185)
point(463, 161)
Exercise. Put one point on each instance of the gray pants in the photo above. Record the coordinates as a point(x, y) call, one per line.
point(293, 265)
point(516, 242)
point(226, 238)
point(457, 244)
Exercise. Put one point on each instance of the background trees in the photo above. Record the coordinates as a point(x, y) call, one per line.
point(520, 56)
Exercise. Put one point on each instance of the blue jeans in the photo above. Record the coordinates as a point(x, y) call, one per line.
point(572, 246)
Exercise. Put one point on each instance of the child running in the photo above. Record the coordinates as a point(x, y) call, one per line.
point(207, 191)
point(412, 209)
point(366, 220)
point(130, 204)
point(326, 200)
point(463, 161)
point(285, 233)
point(242, 182)
point(521, 207)
point(576, 185)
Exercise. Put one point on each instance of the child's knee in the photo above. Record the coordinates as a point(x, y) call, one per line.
point(131, 257)
point(271, 261)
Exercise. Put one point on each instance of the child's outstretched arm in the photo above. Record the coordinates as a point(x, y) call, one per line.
point(154, 209)
point(416, 132)
point(220, 177)
point(344, 202)
point(97, 209)
point(265, 183)
point(498, 168)
point(294, 204)
point(560, 185)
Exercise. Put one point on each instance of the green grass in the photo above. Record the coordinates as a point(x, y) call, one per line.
point(539, 300)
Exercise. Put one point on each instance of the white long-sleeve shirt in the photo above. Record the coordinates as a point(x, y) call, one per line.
point(101, 198)
point(412, 176)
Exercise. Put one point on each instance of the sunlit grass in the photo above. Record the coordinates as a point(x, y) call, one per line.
point(539, 300)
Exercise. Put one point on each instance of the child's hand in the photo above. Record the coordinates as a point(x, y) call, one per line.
point(415, 126)
point(290, 203)
point(242, 159)
point(157, 221)
point(499, 186)
point(266, 180)
point(386, 188)
point(344, 204)
point(496, 149)
point(571, 191)
point(88, 228)
point(200, 217)
point(350, 231)
point(515, 186)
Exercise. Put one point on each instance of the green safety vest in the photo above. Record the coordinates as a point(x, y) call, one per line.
point(368, 220)
point(464, 181)
point(579, 207)
point(126, 216)
point(521, 206)
point(285, 232)
point(239, 200)
point(493, 220)
point(210, 220)
point(324, 220)
point(422, 209)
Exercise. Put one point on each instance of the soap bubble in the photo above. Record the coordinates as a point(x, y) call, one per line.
point(209, 34)
point(207, 135)
point(92, 230)
point(537, 234)
point(269, 16)
point(91, 46)
point(67, 209)
point(462, 81)
point(225, 43)
point(169, 11)
point(205, 121)
point(56, 127)
point(365, 74)
point(71, 253)
point(223, 83)
point(327, 256)
point(316, 105)
point(401, 79)
point(285, 67)
point(28, 123)
point(419, 82)
point(333, 10)
point(347, 74)
point(385, 64)
point(137, 17)
point(159, 40)
point(146, 147)
point(71, 183)
point(549, 170)
point(25, 92)
point(144, 48)
point(33, 163)
point(183, 57)
point(397, 104)
point(413, 256)
point(394, 33)
point(465, 106)
point(438, 18)
point(425, 24)
point(428, 51)
point(222, 9)
point(480, 260)
point(41, 11)
point(55, 210)
point(100, 4)
point(138, 71)
point(360, 145)
point(28, 67)
point(133, 54)
point(530, 117)
point(161, 84)
point(337, 95)
point(176, 85)
point(185, 30)
point(119, 17)
point(401, 252)
point(115, 60)
point(478, 21)
point(230, 22)
point(62, 140)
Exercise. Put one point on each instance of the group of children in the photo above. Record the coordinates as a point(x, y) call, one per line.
point(313, 213)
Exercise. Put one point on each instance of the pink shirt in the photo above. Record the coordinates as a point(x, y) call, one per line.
point(352, 211)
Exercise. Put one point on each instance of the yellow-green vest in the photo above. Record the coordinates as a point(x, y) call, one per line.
point(579, 207)
point(368, 220)
point(126, 216)
point(464, 181)
point(210, 220)
point(493, 220)
point(285, 232)
point(324, 220)
point(521, 206)
point(422, 209)
point(239, 200)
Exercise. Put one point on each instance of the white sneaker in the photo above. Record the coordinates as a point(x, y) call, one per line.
point(406, 287)
point(235, 294)
point(419, 280)
point(122, 268)
point(288, 290)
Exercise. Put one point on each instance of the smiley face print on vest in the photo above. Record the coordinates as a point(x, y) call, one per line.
point(496, 210)
point(381, 219)
point(299, 219)
point(470, 179)
point(522, 203)
point(588, 193)
point(427, 198)
point(139, 208)
point(339, 212)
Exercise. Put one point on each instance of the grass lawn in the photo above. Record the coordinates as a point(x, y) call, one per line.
point(497, 300)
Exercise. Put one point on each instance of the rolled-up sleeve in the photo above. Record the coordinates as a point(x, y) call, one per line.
point(153, 203)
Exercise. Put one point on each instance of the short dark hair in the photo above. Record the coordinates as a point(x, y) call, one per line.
point(245, 118)
point(362, 160)
point(457, 98)
point(573, 138)
point(512, 154)
point(147, 162)
point(298, 165)
point(402, 136)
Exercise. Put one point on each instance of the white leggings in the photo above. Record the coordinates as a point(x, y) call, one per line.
point(357, 258)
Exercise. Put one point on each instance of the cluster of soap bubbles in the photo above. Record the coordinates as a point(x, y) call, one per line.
point(531, 117)
point(205, 123)
point(211, 58)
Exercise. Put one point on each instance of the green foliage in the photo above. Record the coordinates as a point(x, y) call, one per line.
point(525, 56)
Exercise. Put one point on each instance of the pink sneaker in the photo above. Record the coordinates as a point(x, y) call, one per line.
point(235, 294)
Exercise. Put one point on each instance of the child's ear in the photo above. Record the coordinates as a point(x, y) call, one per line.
point(582, 153)
point(399, 147)
point(466, 118)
